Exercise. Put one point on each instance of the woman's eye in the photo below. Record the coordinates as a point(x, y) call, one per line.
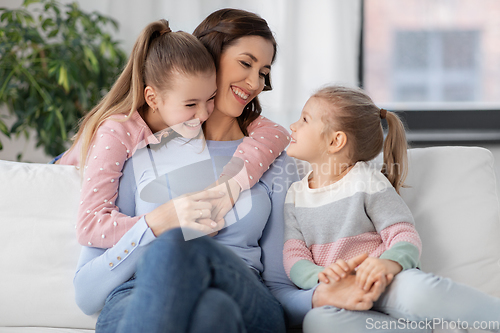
point(245, 64)
point(263, 75)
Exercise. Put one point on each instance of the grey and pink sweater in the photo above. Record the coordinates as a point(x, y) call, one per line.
point(360, 213)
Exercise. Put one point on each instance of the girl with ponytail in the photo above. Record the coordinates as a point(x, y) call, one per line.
point(169, 83)
point(345, 207)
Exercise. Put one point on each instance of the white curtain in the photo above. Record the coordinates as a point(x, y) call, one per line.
point(318, 42)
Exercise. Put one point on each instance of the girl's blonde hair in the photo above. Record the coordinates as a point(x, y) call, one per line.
point(157, 54)
point(354, 113)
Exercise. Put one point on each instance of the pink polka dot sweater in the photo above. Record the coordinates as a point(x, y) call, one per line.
point(100, 223)
point(361, 213)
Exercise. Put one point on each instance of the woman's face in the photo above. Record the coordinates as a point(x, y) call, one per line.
point(240, 77)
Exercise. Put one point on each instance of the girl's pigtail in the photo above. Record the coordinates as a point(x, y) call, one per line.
point(126, 95)
point(395, 151)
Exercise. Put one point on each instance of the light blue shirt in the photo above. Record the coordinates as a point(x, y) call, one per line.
point(255, 230)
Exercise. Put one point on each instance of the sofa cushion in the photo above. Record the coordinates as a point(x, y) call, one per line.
point(38, 205)
point(453, 198)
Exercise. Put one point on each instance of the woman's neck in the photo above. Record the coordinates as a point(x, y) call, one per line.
point(220, 127)
point(329, 171)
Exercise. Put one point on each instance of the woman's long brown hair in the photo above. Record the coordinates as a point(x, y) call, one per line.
point(222, 29)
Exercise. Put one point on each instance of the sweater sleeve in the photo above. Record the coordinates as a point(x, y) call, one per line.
point(394, 222)
point(264, 144)
point(100, 223)
point(100, 271)
point(297, 258)
point(295, 302)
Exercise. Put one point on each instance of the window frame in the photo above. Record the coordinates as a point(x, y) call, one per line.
point(454, 126)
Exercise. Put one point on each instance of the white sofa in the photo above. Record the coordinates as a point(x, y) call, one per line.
point(452, 196)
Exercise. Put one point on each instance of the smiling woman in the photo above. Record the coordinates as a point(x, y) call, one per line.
point(246, 65)
point(221, 280)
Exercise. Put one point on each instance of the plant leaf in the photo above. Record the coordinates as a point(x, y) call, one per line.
point(4, 129)
point(61, 123)
point(29, 2)
point(4, 86)
point(63, 78)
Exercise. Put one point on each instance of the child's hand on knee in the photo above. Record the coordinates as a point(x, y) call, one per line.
point(372, 269)
point(336, 271)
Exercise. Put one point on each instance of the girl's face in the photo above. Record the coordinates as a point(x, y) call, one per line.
point(187, 104)
point(306, 143)
point(242, 69)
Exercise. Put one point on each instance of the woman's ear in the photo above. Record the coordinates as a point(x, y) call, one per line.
point(150, 97)
point(338, 140)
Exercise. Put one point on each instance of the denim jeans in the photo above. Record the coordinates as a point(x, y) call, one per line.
point(426, 300)
point(191, 286)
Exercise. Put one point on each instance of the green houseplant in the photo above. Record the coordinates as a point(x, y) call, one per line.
point(56, 63)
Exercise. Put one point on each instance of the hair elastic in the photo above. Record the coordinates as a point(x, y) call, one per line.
point(165, 31)
point(383, 113)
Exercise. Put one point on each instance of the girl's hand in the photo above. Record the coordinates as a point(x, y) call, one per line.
point(221, 206)
point(373, 269)
point(338, 270)
point(190, 210)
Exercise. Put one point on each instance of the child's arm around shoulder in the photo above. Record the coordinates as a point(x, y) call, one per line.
point(264, 144)
point(100, 223)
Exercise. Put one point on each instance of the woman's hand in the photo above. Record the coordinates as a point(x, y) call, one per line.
point(192, 210)
point(221, 206)
point(346, 294)
point(372, 269)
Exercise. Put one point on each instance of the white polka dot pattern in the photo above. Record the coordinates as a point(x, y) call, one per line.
point(100, 223)
point(266, 141)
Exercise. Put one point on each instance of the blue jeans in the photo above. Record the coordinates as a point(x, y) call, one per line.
point(55, 159)
point(426, 300)
point(191, 286)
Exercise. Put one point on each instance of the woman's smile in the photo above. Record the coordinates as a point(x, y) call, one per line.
point(241, 95)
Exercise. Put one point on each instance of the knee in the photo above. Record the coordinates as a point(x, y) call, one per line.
point(422, 290)
point(216, 311)
point(170, 248)
point(177, 238)
point(320, 320)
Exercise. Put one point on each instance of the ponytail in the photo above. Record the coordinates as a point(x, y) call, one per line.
point(353, 112)
point(156, 54)
point(395, 165)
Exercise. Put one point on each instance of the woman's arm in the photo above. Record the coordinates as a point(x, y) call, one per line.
point(100, 271)
point(295, 302)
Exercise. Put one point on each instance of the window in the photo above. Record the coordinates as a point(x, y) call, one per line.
point(437, 61)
